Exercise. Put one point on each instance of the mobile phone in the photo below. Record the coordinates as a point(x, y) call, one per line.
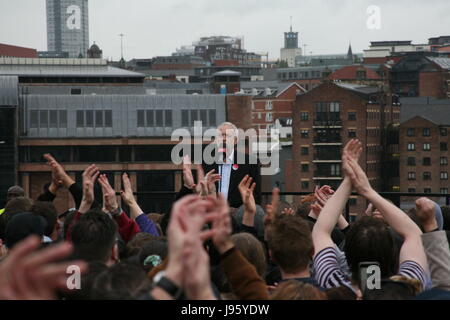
point(369, 275)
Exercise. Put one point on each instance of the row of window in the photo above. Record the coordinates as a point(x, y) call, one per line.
point(427, 146)
point(426, 161)
point(304, 116)
point(154, 118)
point(48, 119)
point(428, 190)
point(206, 116)
point(427, 175)
point(94, 118)
point(411, 132)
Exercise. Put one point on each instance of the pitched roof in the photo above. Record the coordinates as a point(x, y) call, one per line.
point(435, 110)
point(444, 63)
point(7, 50)
point(366, 90)
point(350, 73)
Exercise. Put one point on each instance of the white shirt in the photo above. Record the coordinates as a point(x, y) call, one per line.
point(225, 174)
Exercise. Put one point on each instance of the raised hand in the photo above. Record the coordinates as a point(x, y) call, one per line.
point(29, 274)
point(246, 188)
point(188, 178)
point(272, 208)
point(59, 175)
point(127, 192)
point(221, 225)
point(109, 194)
point(207, 182)
point(352, 150)
point(425, 211)
point(89, 176)
point(357, 176)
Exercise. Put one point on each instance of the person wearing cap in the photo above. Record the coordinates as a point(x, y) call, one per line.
point(13, 192)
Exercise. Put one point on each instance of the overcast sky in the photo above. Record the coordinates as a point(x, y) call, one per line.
point(158, 27)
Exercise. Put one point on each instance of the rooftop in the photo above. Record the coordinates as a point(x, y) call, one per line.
point(351, 73)
point(444, 63)
point(435, 110)
point(359, 88)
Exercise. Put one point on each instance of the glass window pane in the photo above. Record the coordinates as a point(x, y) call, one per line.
point(43, 118)
point(140, 118)
point(204, 117)
point(168, 115)
point(194, 116)
point(150, 118)
point(63, 118)
point(159, 118)
point(99, 118)
point(108, 118)
point(80, 118)
point(89, 118)
point(184, 118)
point(34, 119)
point(212, 117)
point(53, 118)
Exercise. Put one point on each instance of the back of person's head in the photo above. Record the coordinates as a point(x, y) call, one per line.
point(153, 253)
point(123, 281)
point(303, 210)
point(135, 245)
point(14, 192)
point(290, 243)
point(340, 293)
point(94, 237)
point(395, 288)
point(370, 239)
point(252, 250)
point(48, 211)
point(23, 225)
point(446, 217)
point(18, 205)
point(297, 290)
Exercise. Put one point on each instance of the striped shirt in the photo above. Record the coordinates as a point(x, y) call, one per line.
point(329, 274)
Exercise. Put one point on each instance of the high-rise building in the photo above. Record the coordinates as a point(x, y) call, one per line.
point(291, 49)
point(68, 27)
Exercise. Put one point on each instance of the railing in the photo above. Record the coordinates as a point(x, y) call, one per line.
point(327, 156)
point(327, 123)
point(327, 139)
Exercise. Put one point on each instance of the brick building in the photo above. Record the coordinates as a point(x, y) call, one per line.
point(423, 145)
point(324, 119)
point(7, 50)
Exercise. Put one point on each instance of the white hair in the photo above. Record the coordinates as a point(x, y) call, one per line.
point(229, 124)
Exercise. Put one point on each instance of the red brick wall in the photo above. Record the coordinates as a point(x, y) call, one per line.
point(431, 84)
point(239, 110)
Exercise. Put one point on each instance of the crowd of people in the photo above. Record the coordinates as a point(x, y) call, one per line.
point(205, 249)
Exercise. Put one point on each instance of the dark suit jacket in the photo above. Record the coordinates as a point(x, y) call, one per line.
point(236, 176)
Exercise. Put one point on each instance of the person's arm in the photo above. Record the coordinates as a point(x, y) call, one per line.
point(145, 224)
point(48, 195)
point(255, 173)
point(435, 244)
point(412, 248)
point(127, 227)
point(89, 177)
point(246, 188)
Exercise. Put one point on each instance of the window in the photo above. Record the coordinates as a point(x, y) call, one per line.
point(444, 191)
point(151, 118)
point(304, 151)
point(444, 175)
point(304, 116)
point(80, 118)
point(426, 147)
point(427, 175)
point(62, 118)
point(184, 118)
point(43, 118)
point(212, 117)
point(34, 119)
point(168, 118)
point(204, 117)
point(444, 161)
point(90, 118)
point(443, 132)
point(335, 170)
point(443, 146)
point(305, 184)
point(411, 147)
point(194, 117)
point(411, 161)
point(269, 105)
point(427, 190)
point(53, 118)
point(141, 118)
point(99, 118)
point(352, 116)
point(75, 91)
point(108, 118)
point(411, 190)
point(159, 118)
point(269, 117)
point(352, 133)
point(305, 167)
point(410, 132)
point(426, 161)
point(304, 134)
point(411, 176)
point(426, 132)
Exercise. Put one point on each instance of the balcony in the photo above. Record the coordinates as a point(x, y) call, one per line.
point(331, 156)
point(328, 123)
point(326, 175)
point(328, 139)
